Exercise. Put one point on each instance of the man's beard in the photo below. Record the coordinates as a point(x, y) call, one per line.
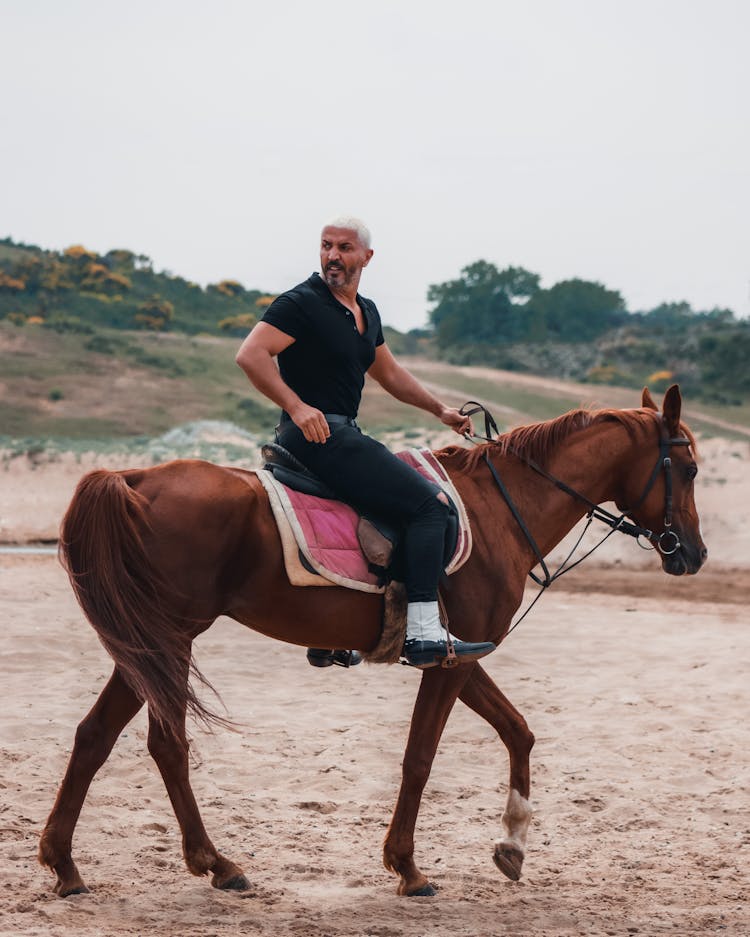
point(342, 277)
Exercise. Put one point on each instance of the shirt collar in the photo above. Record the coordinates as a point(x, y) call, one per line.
point(320, 286)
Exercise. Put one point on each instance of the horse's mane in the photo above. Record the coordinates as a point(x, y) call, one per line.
point(537, 441)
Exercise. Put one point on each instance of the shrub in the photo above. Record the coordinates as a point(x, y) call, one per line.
point(230, 288)
point(11, 284)
point(155, 314)
point(238, 325)
point(68, 324)
point(257, 413)
point(78, 251)
point(605, 374)
point(660, 380)
point(104, 345)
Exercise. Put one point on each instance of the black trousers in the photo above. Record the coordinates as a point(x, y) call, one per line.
point(362, 472)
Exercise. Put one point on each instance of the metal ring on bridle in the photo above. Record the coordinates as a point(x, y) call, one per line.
point(675, 547)
point(648, 545)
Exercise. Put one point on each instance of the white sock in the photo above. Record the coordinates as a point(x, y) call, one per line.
point(423, 622)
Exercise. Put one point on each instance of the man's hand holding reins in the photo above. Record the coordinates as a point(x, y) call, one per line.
point(458, 422)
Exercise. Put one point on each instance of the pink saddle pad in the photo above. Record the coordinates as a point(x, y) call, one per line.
point(326, 531)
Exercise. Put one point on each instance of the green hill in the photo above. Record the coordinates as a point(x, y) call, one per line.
point(83, 388)
point(96, 347)
point(76, 288)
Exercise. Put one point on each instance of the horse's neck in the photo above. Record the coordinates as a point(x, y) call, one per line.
point(590, 462)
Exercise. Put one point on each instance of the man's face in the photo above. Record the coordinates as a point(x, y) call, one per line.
point(342, 257)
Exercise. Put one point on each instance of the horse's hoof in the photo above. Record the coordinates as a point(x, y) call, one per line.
point(65, 891)
point(509, 859)
point(426, 891)
point(235, 883)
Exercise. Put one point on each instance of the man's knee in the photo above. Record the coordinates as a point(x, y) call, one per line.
point(436, 506)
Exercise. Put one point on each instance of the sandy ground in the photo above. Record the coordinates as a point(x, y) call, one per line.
point(641, 776)
point(635, 684)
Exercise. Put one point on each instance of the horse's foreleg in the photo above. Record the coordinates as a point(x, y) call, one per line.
point(170, 752)
point(483, 696)
point(94, 740)
point(437, 694)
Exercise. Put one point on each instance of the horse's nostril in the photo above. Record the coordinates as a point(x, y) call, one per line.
point(704, 554)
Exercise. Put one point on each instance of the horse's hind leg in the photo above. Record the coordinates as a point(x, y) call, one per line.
point(170, 752)
point(95, 738)
point(483, 696)
point(437, 695)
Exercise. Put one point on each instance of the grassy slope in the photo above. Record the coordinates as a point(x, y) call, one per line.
point(527, 397)
point(151, 383)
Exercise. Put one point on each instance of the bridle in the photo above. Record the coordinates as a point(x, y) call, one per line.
point(663, 463)
point(668, 542)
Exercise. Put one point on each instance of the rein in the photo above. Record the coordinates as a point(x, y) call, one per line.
point(595, 511)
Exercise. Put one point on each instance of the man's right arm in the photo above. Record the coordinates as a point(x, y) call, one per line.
point(255, 357)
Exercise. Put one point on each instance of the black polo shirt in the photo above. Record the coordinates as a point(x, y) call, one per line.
point(327, 361)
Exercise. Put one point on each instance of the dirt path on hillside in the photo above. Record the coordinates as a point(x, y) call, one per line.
point(605, 394)
point(641, 775)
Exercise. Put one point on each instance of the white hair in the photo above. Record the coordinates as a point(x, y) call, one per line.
point(353, 224)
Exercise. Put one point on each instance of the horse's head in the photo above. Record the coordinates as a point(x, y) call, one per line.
point(659, 490)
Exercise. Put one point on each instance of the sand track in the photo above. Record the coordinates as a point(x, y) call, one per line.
point(640, 780)
point(635, 684)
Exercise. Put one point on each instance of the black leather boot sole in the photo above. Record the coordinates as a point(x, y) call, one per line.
point(325, 657)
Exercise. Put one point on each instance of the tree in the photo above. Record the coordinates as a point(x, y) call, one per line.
point(577, 310)
point(670, 316)
point(485, 305)
point(723, 356)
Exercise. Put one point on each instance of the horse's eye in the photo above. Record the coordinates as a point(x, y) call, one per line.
point(692, 471)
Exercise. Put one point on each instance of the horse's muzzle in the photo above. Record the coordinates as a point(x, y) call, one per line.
point(687, 559)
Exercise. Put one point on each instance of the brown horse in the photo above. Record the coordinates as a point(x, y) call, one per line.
point(156, 555)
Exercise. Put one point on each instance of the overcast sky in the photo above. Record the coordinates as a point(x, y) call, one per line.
point(604, 139)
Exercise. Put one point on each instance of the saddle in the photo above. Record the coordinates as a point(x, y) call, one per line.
point(329, 534)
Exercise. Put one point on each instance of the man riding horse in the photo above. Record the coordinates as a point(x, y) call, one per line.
point(327, 337)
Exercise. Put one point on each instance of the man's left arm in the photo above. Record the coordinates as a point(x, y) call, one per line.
point(402, 385)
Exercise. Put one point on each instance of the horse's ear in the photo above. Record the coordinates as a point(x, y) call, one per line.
point(671, 409)
point(647, 401)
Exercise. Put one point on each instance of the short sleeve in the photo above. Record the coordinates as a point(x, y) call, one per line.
point(286, 316)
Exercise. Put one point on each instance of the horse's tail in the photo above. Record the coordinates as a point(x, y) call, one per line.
point(125, 599)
